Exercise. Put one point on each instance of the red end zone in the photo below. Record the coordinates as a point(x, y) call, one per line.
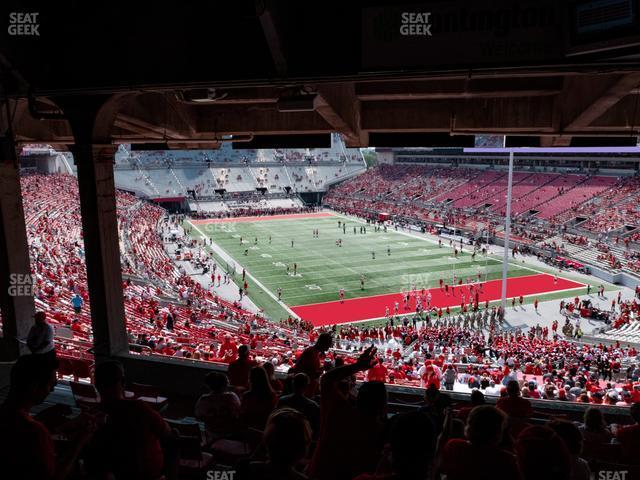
point(364, 308)
point(288, 216)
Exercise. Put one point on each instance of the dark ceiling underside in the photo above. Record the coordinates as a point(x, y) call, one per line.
point(504, 67)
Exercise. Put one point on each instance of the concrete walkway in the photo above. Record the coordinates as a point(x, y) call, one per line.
point(228, 291)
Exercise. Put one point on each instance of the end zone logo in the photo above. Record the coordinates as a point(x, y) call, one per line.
point(415, 24)
point(24, 24)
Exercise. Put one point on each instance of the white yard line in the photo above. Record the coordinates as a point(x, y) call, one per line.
point(228, 258)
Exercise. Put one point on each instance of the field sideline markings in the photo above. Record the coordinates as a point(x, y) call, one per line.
point(223, 254)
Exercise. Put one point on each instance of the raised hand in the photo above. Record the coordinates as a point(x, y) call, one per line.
point(367, 359)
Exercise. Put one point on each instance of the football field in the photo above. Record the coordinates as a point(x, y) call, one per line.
point(283, 253)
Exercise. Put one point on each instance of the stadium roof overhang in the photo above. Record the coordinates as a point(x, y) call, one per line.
point(195, 76)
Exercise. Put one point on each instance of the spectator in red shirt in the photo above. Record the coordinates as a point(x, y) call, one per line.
point(635, 394)
point(480, 456)
point(76, 327)
point(629, 436)
point(130, 443)
point(513, 404)
point(239, 369)
point(228, 348)
point(533, 391)
point(26, 447)
point(309, 361)
point(377, 373)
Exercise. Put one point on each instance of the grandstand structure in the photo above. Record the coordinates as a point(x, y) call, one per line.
point(214, 181)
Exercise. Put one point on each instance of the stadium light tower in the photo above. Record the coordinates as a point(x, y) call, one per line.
point(507, 232)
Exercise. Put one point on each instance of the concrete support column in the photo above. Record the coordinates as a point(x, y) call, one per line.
point(102, 249)
point(16, 296)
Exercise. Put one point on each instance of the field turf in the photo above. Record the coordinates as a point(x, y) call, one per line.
point(323, 268)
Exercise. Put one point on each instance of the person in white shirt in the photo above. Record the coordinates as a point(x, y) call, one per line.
point(219, 409)
point(492, 389)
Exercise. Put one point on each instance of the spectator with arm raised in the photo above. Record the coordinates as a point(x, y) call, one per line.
point(350, 438)
point(310, 363)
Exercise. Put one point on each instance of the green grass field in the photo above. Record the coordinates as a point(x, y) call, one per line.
point(324, 268)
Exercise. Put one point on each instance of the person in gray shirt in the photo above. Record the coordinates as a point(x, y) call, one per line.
point(40, 338)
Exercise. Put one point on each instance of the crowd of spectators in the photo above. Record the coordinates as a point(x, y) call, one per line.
point(171, 314)
point(295, 385)
point(291, 429)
